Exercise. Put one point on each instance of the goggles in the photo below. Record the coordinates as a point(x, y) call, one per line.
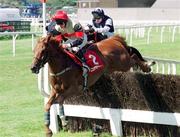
point(60, 21)
point(96, 16)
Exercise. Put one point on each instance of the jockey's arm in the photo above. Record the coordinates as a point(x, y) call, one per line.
point(106, 28)
point(79, 42)
point(76, 42)
point(102, 30)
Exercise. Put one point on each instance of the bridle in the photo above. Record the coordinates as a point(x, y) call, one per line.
point(41, 61)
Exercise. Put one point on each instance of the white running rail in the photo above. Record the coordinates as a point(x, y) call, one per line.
point(116, 116)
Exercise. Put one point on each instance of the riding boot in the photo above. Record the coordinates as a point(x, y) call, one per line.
point(85, 76)
point(85, 69)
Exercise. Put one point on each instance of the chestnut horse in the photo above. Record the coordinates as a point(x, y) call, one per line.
point(66, 76)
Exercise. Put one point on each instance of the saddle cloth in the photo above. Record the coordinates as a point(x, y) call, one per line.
point(93, 61)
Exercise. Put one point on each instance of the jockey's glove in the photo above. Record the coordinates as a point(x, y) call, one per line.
point(70, 48)
point(75, 49)
point(89, 29)
point(66, 46)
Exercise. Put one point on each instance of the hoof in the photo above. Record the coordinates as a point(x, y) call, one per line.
point(147, 67)
point(151, 63)
point(49, 134)
point(48, 131)
point(64, 123)
point(65, 128)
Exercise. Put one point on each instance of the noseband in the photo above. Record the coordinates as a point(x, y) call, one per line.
point(42, 61)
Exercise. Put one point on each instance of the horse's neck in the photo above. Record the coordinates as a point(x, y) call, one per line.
point(58, 62)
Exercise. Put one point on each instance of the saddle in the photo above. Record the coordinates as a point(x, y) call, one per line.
point(93, 60)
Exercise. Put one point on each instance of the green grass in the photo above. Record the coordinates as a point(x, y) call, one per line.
point(21, 105)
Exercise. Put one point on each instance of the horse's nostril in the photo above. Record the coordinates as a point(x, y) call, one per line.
point(32, 68)
point(35, 69)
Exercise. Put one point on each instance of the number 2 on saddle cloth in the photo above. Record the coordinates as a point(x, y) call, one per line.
point(93, 60)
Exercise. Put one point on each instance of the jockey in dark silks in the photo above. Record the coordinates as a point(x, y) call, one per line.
point(102, 24)
point(73, 38)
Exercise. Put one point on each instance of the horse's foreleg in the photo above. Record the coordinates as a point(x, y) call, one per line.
point(47, 123)
point(47, 113)
point(50, 100)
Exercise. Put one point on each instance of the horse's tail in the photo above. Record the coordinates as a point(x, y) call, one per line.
point(133, 50)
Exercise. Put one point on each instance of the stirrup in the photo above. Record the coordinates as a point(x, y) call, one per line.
point(84, 66)
point(85, 89)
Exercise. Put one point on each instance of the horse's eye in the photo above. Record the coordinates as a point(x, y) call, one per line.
point(43, 51)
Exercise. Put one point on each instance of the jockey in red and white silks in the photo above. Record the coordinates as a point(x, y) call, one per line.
point(72, 37)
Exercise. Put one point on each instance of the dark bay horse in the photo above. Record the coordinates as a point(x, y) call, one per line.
point(65, 75)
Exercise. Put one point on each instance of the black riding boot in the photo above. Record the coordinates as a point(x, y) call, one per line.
point(85, 69)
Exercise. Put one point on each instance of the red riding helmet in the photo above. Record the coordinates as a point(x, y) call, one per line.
point(60, 14)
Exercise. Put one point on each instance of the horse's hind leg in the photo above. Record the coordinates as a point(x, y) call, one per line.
point(139, 60)
point(145, 67)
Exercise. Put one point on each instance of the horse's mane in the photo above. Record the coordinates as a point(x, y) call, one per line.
point(119, 39)
point(54, 41)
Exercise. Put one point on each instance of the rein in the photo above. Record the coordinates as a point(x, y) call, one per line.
point(60, 73)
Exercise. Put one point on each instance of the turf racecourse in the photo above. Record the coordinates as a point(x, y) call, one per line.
point(21, 105)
